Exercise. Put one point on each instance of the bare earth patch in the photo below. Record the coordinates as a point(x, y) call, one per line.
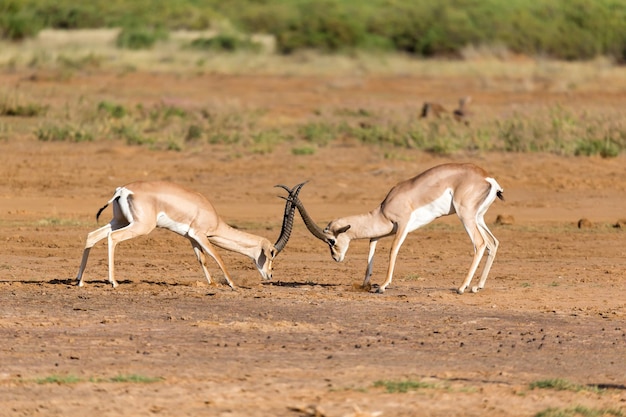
point(310, 342)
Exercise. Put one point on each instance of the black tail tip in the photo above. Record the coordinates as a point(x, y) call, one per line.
point(500, 195)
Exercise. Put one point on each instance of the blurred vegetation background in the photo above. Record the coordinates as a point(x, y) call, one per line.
point(559, 29)
point(359, 36)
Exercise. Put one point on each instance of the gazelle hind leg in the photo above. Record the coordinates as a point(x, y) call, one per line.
point(480, 245)
point(92, 238)
point(492, 249)
point(119, 235)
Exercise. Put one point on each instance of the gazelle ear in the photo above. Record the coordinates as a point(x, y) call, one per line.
point(261, 259)
point(342, 230)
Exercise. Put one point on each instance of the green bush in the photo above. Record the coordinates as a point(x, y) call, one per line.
point(564, 29)
point(605, 148)
point(74, 15)
point(62, 133)
point(115, 111)
point(225, 43)
point(18, 25)
point(322, 25)
point(140, 37)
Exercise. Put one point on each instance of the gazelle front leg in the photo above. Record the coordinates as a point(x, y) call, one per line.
point(393, 255)
point(202, 259)
point(207, 248)
point(370, 263)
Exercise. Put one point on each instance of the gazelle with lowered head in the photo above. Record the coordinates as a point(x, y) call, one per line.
point(140, 207)
point(464, 189)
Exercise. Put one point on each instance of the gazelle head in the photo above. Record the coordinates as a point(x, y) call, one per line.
point(264, 261)
point(336, 238)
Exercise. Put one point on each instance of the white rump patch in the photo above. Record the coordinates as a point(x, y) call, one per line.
point(441, 206)
point(122, 195)
point(167, 223)
point(494, 184)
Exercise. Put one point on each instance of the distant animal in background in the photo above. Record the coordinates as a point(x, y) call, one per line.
point(434, 109)
point(437, 110)
point(460, 114)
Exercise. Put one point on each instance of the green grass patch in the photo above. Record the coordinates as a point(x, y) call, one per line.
point(22, 110)
point(605, 148)
point(320, 133)
point(553, 130)
point(559, 384)
point(303, 150)
point(140, 37)
point(404, 386)
point(59, 379)
point(580, 411)
point(53, 133)
point(116, 111)
point(133, 378)
point(225, 43)
point(413, 277)
point(55, 221)
point(73, 379)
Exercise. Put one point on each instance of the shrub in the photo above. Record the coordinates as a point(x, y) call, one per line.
point(225, 43)
point(140, 37)
point(115, 111)
point(62, 133)
point(320, 25)
point(19, 25)
point(603, 147)
point(319, 133)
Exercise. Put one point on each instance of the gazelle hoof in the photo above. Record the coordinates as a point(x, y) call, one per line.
point(475, 290)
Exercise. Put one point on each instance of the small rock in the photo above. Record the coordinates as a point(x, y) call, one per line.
point(584, 223)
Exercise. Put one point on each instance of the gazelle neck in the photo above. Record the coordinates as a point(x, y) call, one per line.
point(238, 241)
point(367, 226)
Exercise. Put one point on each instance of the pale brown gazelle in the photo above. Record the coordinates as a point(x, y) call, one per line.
point(140, 207)
point(464, 189)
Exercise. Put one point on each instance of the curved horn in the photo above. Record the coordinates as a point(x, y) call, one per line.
point(309, 222)
point(290, 208)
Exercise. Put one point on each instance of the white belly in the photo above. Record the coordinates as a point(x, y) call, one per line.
point(165, 222)
point(441, 206)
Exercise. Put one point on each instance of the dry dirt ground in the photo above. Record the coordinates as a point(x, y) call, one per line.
point(309, 342)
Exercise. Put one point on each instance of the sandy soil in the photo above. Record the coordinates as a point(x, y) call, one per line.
point(310, 342)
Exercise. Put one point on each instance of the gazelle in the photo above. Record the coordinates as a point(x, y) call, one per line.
point(140, 207)
point(464, 189)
